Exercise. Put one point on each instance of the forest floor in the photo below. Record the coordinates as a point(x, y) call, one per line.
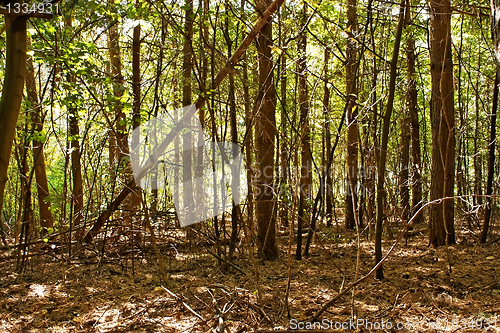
point(423, 287)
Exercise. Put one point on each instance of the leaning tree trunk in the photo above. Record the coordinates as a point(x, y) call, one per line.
point(12, 92)
point(441, 217)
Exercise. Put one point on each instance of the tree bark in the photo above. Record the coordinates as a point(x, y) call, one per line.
point(187, 69)
point(495, 33)
point(328, 140)
point(441, 217)
point(305, 174)
point(416, 179)
point(265, 141)
point(46, 218)
point(136, 91)
point(381, 192)
point(352, 115)
point(491, 160)
point(12, 92)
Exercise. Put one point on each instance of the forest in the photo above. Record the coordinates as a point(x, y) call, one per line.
point(249, 166)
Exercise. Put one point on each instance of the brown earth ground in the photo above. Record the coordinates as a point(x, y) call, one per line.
point(113, 293)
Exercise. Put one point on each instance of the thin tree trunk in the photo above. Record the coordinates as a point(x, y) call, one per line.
point(478, 156)
point(234, 139)
point(187, 68)
point(284, 148)
point(352, 116)
point(416, 179)
point(305, 174)
point(46, 218)
point(491, 160)
point(381, 192)
point(136, 111)
point(495, 33)
point(404, 172)
point(328, 140)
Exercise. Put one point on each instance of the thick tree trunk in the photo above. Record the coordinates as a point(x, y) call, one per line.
point(441, 217)
point(46, 218)
point(352, 116)
point(266, 127)
point(12, 92)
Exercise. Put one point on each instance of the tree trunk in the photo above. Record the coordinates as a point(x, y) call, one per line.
point(305, 174)
point(416, 179)
point(12, 92)
point(266, 127)
point(328, 140)
point(491, 160)
point(478, 156)
point(46, 218)
point(136, 91)
point(441, 217)
point(76, 167)
point(381, 192)
point(235, 181)
point(495, 33)
point(404, 172)
point(284, 148)
point(352, 115)
point(187, 68)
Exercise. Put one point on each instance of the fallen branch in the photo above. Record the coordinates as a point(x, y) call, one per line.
point(184, 303)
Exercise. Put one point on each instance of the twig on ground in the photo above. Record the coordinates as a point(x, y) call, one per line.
point(184, 303)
